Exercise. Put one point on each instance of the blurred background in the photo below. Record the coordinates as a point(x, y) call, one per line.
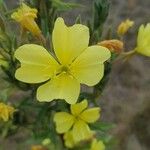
point(126, 99)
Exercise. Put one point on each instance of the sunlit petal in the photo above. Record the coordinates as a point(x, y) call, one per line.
point(63, 86)
point(37, 65)
point(90, 115)
point(64, 121)
point(68, 138)
point(97, 145)
point(77, 108)
point(143, 40)
point(88, 68)
point(81, 131)
point(69, 42)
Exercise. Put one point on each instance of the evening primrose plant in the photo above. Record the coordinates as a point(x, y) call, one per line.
point(55, 74)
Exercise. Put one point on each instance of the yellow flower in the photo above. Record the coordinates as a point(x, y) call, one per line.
point(97, 145)
point(38, 147)
point(6, 111)
point(26, 17)
point(113, 45)
point(124, 27)
point(76, 63)
point(70, 141)
point(77, 121)
point(143, 40)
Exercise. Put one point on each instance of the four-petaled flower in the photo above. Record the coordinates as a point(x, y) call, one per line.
point(26, 17)
point(77, 121)
point(143, 40)
point(75, 63)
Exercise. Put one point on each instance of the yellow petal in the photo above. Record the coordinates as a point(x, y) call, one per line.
point(143, 40)
point(5, 114)
point(37, 65)
point(6, 111)
point(64, 121)
point(38, 147)
point(90, 115)
point(88, 68)
point(31, 25)
point(11, 110)
point(97, 145)
point(68, 138)
point(81, 131)
point(69, 42)
point(141, 32)
point(63, 86)
point(77, 108)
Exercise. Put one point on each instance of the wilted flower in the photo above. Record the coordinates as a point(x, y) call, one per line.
point(77, 121)
point(124, 27)
point(6, 111)
point(76, 63)
point(97, 145)
point(143, 40)
point(113, 45)
point(26, 17)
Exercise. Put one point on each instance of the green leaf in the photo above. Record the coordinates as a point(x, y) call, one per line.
point(2, 23)
point(102, 126)
point(63, 6)
point(78, 19)
point(4, 94)
point(1, 2)
point(43, 7)
point(101, 10)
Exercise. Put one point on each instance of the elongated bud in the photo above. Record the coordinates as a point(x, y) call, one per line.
point(124, 27)
point(26, 17)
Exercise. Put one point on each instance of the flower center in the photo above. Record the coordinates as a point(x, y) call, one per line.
point(63, 69)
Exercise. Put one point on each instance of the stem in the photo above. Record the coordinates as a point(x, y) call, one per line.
point(125, 56)
point(42, 40)
point(129, 53)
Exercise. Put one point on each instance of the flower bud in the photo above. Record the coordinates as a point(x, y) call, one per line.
point(124, 27)
point(113, 45)
point(26, 17)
